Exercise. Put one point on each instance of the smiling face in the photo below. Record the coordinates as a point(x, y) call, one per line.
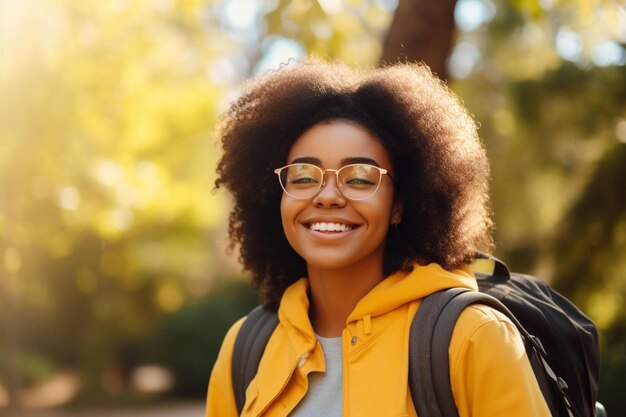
point(328, 230)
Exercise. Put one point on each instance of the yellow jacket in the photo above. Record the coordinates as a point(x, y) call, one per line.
point(489, 370)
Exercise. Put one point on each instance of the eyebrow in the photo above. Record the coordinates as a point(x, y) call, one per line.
point(344, 161)
point(307, 160)
point(359, 160)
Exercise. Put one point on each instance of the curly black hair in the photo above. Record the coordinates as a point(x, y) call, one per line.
point(440, 163)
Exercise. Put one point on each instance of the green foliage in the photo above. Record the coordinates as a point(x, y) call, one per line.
point(34, 368)
point(349, 31)
point(613, 369)
point(106, 160)
point(189, 340)
point(552, 129)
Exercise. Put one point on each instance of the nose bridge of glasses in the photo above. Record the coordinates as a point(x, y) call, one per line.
point(323, 183)
point(334, 171)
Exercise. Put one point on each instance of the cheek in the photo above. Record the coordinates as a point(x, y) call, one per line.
point(284, 211)
point(289, 210)
point(379, 212)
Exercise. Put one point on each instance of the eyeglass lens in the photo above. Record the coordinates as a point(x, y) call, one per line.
point(358, 181)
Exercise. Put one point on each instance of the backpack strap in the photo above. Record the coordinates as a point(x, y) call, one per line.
point(430, 334)
point(249, 346)
point(426, 399)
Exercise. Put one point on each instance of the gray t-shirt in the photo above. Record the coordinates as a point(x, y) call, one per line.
point(324, 396)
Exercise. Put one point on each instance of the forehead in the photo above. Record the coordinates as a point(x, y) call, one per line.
point(332, 142)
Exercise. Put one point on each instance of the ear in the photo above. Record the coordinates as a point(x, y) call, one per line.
point(396, 212)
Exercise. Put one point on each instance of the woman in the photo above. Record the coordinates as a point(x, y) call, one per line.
point(356, 195)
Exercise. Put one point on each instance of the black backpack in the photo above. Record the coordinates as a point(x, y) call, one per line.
point(561, 344)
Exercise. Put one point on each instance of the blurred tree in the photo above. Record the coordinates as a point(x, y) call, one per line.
point(551, 117)
point(106, 220)
point(349, 31)
point(421, 31)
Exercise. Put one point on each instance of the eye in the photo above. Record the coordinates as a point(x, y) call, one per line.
point(359, 176)
point(304, 180)
point(303, 175)
point(359, 181)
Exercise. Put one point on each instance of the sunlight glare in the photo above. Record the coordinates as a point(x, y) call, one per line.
point(68, 198)
point(465, 57)
point(242, 14)
point(471, 14)
point(569, 44)
point(330, 6)
point(388, 5)
point(608, 53)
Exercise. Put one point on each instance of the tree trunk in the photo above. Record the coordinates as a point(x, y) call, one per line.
point(422, 30)
point(584, 244)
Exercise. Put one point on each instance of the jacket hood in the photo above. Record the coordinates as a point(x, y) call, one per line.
point(403, 287)
point(395, 290)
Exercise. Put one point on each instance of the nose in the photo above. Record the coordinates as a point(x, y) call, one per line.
point(329, 195)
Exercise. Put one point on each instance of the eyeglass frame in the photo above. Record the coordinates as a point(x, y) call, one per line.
point(321, 185)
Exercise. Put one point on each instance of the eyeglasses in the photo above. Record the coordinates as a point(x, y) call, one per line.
point(355, 181)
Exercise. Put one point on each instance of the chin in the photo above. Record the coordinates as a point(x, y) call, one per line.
point(326, 261)
point(330, 263)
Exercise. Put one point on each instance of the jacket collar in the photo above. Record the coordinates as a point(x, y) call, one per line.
point(395, 290)
point(293, 313)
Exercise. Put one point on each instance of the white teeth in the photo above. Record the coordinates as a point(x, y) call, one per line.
point(330, 227)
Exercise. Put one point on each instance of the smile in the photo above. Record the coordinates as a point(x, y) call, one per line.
point(329, 227)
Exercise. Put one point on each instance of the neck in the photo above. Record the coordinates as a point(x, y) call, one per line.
point(335, 293)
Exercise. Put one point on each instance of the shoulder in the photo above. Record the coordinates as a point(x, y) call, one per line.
point(489, 369)
point(231, 335)
point(255, 325)
point(482, 326)
point(483, 340)
point(220, 397)
point(477, 316)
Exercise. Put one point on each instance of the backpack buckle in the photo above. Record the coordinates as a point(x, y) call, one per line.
point(538, 345)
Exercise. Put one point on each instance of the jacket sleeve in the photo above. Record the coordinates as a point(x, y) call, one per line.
point(490, 372)
point(220, 398)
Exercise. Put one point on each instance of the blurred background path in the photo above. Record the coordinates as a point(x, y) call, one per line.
point(183, 409)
